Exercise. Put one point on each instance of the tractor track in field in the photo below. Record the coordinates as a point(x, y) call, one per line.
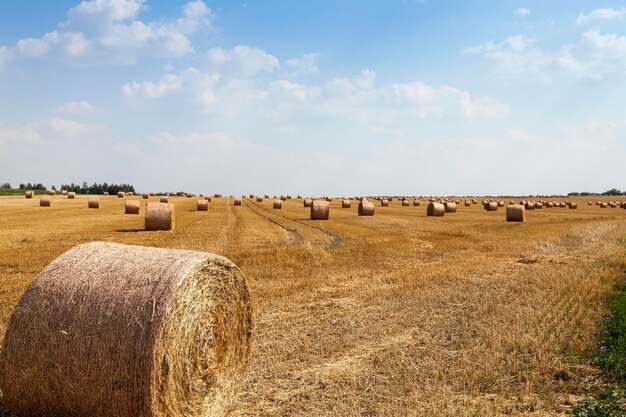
point(293, 236)
point(335, 240)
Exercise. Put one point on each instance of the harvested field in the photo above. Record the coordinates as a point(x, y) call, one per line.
point(397, 314)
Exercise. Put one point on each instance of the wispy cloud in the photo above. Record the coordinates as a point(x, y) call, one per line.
point(601, 14)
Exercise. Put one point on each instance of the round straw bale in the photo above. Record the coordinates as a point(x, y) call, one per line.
point(159, 216)
point(132, 207)
point(366, 208)
point(94, 203)
point(283, 197)
point(298, 196)
point(603, 205)
point(450, 207)
point(164, 199)
point(44, 201)
point(52, 192)
point(416, 202)
point(130, 193)
point(202, 205)
point(345, 203)
point(384, 202)
point(120, 194)
point(308, 202)
point(573, 205)
point(206, 198)
point(563, 205)
point(320, 210)
point(71, 195)
point(63, 192)
point(589, 203)
point(217, 195)
point(405, 203)
point(511, 202)
point(435, 209)
point(549, 204)
point(500, 203)
point(237, 201)
point(116, 330)
point(251, 196)
point(474, 201)
point(529, 205)
point(189, 195)
point(278, 204)
point(515, 213)
point(145, 196)
point(29, 194)
point(539, 205)
point(491, 206)
point(259, 199)
point(106, 193)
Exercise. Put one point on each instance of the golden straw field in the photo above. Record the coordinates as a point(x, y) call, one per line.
point(398, 314)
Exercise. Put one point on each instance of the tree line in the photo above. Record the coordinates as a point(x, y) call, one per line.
point(612, 191)
point(83, 188)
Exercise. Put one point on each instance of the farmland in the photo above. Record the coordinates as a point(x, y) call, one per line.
point(391, 315)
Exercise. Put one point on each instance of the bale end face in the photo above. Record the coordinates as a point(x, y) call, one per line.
point(159, 216)
point(435, 209)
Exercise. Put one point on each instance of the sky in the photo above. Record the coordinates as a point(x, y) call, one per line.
point(343, 97)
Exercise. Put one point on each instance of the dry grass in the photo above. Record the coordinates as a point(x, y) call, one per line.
point(393, 315)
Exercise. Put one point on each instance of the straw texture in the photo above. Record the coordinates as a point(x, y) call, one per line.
point(450, 207)
point(71, 195)
point(52, 192)
point(120, 194)
point(164, 199)
point(202, 205)
point(159, 216)
point(44, 201)
point(278, 204)
point(128, 331)
point(94, 203)
point(345, 203)
point(237, 201)
point(366, 208)
point(29, 194)
point(132, 207)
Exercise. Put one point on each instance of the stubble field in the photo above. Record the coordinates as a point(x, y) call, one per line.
point(397, 314)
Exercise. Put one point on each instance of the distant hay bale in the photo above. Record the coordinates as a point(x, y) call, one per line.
point(172, 194)
point(120, 194)
point(251, 196)
point(63, 192)
point(130, 193)
point(538, 205)
point(589, 203)
point(93, 203)
point(52, 192)
point(416, 203)
point(44, 201)
point(474, 201)
point(405, 203)
point(329, 199)
point(237, 201)
point(366, 208)
point(298, 196)
point(202, 205)
point(132, 207)
point(511, 202)
point(515, 213)
point(116, 330)
point(259, 199)
point(145, 196)
point(71, 195)
point(217, 195)
point(384, 202)
point(320, 210)
point(308, 202)
point(346, 203)
point(28, 194)
point(159, 216)
point(529, 205)
point(549, 204)
point(603, 205)
point(151, 194)
point(500, 203)
point(573, 205)
point(208, 199)
point(435, 209)
point(450, 207)
point(189, 195)
point(278, 204)
point(106, 193)
point(491, 206)
point(164, 199)
point(563, 205)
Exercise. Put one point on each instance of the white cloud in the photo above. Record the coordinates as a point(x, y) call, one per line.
point(521, 11)
point(69, 127)
point(245, 60)
point(601, 14)
point(18, 135)
point(305, 65)
point(595, 56)
point(518, 134)
point(169, 83)
point(110, 31)
point(191, 80)
point(78, 107)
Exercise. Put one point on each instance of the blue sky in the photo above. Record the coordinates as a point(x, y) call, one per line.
point(333, 97)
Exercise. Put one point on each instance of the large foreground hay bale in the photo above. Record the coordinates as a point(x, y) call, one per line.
point(202, 205)
point(366, 208)
point(278, 204)
point(127, 331)
point(29, 194)
point(132, 207)
point(44, 201)
point(435, 209)
point(320, 210)
point(237, 201)
point(346, 203)
point(93, 203)
point(159, 216)
point(515, 213)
